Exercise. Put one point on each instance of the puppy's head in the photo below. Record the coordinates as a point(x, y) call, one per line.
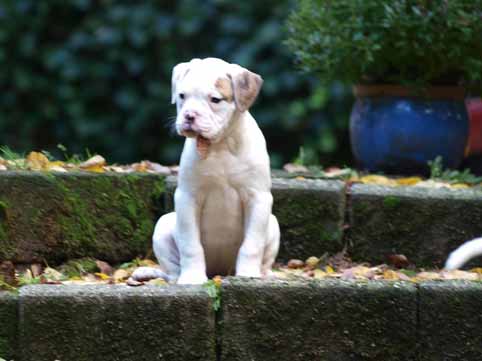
point(208, 93)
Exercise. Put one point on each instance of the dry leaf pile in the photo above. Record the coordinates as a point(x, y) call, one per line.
point(39, 161)
point(301, 172)
point(341, 267)
point(88, 271)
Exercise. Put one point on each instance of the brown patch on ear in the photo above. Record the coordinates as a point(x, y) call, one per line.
point(246, 86)
point(224, 87)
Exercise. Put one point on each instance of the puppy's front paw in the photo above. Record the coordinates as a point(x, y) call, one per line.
point(191, 278)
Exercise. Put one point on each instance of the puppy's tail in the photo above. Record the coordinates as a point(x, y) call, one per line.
point(143, 274)
point(464, 253)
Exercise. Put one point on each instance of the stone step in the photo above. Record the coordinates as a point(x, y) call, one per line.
point(258, 320)
point(56, 217)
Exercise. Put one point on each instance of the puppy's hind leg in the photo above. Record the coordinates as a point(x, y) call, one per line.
point(272, 247)
point(166, 252)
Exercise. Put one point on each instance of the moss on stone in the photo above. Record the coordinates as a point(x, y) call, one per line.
point(391, 201)
point(66, 216)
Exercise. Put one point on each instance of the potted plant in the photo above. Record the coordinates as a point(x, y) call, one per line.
point(411, 62)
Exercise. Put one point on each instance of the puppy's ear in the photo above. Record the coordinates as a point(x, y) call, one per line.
point(179, 72)
point(246, 86)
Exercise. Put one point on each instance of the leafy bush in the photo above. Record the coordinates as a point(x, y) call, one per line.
point(96, 74)
point(415, 42)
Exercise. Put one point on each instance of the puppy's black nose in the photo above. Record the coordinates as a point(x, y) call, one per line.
point(189, 117)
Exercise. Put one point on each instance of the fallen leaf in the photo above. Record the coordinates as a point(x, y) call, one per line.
point(312, 262)
point(217, 280)
point(104, 267)
point(102, 276)
point(295, 263)
point(378, 179)
point(139, 167)
point(132, 282)
point(428, 276)
point(158, 168)
point(329, 270)
point(148, 263)
point(398, 260)
point(120, 275)
point(319, 274)
point(51, 274)
point(94, 164)
point(89, 277)
point(157, 282)
point(295, 168)
point(410, 181)
point(337, 172)
point(36, 269)
point(37, 161)
point(57, 169)
point(477, 270)
point(391, 275)
point(358, 272)
point(460, 275)
point(460, 186)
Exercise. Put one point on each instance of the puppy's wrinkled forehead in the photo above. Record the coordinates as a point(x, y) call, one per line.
point(208, 77)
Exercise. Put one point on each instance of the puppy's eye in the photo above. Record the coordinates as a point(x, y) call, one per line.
point(181, 95)
point(215, 100)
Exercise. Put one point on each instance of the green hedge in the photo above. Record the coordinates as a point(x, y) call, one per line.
point(96, 75)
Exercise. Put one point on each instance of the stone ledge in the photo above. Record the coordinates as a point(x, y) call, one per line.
point(450, 319)
point(8, 325)
point(318, 320)
point(86, 323)
point(259, 320)
point(54, 217)
point(423, 224)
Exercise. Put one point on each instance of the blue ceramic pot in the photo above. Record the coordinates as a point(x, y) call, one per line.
point(395, 134)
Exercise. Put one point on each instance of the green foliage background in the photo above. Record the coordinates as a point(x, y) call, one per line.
point(414, 42)
point(96, 74)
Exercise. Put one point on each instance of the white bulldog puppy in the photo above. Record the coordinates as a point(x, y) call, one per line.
point(222, 222)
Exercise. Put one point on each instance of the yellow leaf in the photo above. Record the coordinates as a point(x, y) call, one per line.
point(319, 274)
point(95, 164)
point(477, 270)
point(217, 281)
point(390, 275)
point(95, 169)
point(300, 178)
point(147, 263)
point(121, 275)
point(157, 282)
point(460, 275)
point(378, 179)
point(460, 186)
point(329, 270)
point(428, 276)
point(37, 161)
point(102, 276)
point(408, 181)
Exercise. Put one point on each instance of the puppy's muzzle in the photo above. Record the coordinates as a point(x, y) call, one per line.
point(189, 125)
